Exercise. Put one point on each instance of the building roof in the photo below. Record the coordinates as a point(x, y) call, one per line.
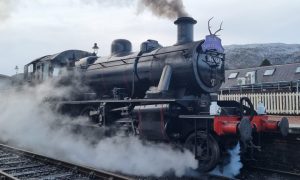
point(264, 74)
point(2, 76)
point(64, 56)
point(4, 80)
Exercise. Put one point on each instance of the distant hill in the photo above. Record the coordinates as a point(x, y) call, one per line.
point(251, 55)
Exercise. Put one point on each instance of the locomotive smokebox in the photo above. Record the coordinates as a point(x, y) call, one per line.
point(185, 30)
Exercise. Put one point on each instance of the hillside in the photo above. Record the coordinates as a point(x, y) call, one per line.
point(251, 55)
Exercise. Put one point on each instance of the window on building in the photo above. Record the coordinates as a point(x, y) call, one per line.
point(56, 71)
point(233, 75)
point(269, 72)
point(30, 68)
point(45, 71)
point(298, 70)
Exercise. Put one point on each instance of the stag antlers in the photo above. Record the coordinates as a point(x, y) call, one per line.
point(220, 29)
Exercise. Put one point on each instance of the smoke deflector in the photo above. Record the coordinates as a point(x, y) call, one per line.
point(185, 30)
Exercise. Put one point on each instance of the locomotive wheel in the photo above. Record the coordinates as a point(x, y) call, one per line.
point(86, 113)
point(208, 151)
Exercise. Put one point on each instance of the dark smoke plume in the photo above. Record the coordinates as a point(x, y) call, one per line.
point(170, 9)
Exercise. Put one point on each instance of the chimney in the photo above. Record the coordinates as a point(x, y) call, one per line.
point(185, 30)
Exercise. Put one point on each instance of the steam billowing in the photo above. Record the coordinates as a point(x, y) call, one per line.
point(27, 122)
point(234, 166)
point(170, 9)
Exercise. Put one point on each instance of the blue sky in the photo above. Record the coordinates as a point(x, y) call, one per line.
point(33, 28)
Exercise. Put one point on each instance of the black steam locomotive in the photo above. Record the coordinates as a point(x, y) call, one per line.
point(167, 94)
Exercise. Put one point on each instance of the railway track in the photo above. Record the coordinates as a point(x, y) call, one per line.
point(257, 172)
point(287, 173)
point(19, 164)
point(278, 159)
point(201, 177)
point(216, 177)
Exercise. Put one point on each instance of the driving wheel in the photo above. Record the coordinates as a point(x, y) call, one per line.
point(206, 150)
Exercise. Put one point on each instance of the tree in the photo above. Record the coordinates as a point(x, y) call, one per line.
point(265, 62)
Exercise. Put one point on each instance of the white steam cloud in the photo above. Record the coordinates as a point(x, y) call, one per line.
point(233, 168)
point(27, 122)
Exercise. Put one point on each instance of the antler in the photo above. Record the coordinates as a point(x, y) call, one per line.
point(209, 25)
point(220, 29)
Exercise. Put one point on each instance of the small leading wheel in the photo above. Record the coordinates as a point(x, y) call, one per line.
point(207, 153)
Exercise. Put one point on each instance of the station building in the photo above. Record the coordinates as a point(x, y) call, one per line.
point(277, 86)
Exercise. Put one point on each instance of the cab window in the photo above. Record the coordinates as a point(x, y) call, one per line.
point(56, 71)
point(45, 71)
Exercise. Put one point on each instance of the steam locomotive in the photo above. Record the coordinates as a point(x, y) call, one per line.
point(166, 94)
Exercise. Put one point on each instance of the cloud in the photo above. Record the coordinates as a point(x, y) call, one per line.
point(36, 28)
point(6, 7)
point(27, 122)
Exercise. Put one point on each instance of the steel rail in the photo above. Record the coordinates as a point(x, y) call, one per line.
point(20, 164)
point(293, 174)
